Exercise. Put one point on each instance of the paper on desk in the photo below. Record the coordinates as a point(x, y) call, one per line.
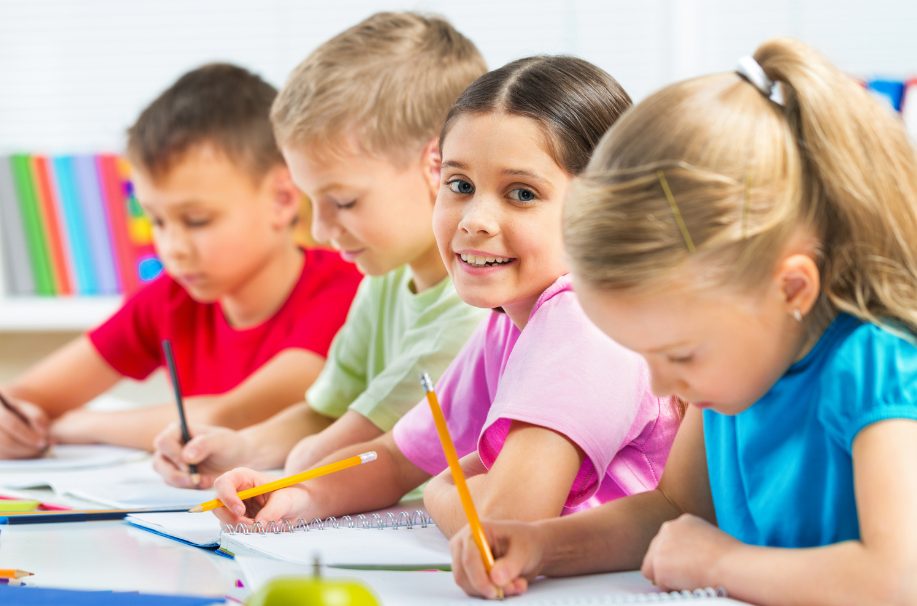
point(426, 547)
point(129, 486)
point(73, 456)
point(198, 529)
point(422, 588)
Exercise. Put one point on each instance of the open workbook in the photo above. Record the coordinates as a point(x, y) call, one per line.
point(387, 540)
point(424, 588)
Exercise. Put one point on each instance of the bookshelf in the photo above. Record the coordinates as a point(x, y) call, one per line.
point(54, 314)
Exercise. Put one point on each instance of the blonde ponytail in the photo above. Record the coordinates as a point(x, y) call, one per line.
point(746, 174)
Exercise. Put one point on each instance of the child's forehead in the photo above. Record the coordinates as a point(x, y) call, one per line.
point(340, 164)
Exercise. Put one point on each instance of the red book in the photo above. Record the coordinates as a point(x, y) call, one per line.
point(51, 222)
point(116, 203)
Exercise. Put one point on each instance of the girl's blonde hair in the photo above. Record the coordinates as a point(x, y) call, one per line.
point(745, 174)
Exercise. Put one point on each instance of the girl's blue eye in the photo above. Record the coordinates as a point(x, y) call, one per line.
point(522, 195)
point(460, 186)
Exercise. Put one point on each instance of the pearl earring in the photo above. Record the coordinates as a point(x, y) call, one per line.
point(797, 315)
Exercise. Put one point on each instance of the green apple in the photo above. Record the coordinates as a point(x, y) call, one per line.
point(312, 591)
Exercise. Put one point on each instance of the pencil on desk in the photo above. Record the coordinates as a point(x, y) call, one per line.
point(185, 435)
point(459, 477)
point(366, 457)
point(10, 573)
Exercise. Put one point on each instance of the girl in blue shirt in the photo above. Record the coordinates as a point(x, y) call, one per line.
point(752, 234)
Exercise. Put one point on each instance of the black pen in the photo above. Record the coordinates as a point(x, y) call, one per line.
point(185, 435)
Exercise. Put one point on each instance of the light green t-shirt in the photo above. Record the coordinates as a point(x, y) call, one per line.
point(391, 335)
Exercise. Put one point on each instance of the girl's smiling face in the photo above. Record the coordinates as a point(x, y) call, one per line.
point(497, 218)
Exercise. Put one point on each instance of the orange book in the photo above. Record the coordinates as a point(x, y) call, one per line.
point(51, 224)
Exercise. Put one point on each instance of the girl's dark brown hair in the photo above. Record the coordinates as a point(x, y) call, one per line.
point(574, 101)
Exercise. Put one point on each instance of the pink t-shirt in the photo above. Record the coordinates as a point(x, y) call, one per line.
point(561, 373)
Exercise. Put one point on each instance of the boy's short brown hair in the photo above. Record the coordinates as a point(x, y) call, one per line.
point(220, 104)
point(389, 80)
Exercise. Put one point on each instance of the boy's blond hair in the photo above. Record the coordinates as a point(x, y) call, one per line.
point(744, 174)
point(389, 81)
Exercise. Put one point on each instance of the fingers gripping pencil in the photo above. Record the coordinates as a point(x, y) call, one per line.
point(185, 435)
point(459, 476)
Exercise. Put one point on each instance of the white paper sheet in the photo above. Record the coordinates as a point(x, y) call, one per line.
point(200, 529)
point(73, 456)
point(422, 588)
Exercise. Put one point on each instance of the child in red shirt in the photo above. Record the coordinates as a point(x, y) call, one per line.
point(250, 314)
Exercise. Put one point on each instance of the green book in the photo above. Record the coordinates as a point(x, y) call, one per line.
point(35, 237)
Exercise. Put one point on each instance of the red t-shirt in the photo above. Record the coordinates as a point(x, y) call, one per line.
point(211, 356)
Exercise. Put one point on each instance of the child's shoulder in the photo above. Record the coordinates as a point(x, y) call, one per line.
point(870, 374)
point(870, 348)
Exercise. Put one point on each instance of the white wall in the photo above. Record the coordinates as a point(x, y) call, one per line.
point(74, 74)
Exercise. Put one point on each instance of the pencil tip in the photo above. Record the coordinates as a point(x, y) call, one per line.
point(196, 509)
point(196, 479)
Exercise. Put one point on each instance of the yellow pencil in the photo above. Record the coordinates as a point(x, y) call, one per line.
point(10, 573)
point(459, 476)
point(366, 457)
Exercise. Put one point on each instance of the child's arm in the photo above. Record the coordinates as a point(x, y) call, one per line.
point(351, 428)
point(877, 569)
point(68, 378)
point(529, 480)
point(358, 489)
point(216, 450)
point(614, 536)
point(274, 386)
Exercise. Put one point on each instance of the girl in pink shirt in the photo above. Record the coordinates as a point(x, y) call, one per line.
point(550, 415)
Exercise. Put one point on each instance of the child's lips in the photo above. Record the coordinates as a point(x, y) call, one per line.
point(480, 270)
point(351, 255)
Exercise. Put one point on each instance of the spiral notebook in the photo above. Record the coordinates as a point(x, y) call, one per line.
point(423, 588)
point(388, 540)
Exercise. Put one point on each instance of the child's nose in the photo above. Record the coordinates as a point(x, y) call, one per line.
point(324, 223)
point(480, 219)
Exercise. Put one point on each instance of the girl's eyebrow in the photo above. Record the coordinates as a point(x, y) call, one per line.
point(453, 164)
point(524, 173)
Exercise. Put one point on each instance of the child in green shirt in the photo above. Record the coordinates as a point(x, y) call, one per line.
point(358, 124)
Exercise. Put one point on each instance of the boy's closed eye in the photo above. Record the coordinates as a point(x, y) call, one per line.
point(344, 205)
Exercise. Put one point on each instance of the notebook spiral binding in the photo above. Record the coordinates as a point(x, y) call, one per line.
point(644, 598)
point(375, 521)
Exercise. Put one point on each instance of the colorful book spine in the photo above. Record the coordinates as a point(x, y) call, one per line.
point(77, 233)
point(116, 201)
point(18, 272)
point(98, 229)
point(140, 231)
point(51, 225)
point(31, 221)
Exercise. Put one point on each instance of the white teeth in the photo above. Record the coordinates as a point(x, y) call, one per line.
point(482, 261)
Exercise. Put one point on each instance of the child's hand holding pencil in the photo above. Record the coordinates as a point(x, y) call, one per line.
point(23, 429)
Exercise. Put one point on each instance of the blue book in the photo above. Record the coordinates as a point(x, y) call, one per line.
point(40, 596)
point(890, 92)
point(98, 229)
point(80, 249)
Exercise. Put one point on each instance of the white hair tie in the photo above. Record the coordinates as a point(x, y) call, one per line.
point(749, 69)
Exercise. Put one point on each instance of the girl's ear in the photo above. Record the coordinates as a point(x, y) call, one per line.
point(800, 283)
point(287, 199)
point(432, 163)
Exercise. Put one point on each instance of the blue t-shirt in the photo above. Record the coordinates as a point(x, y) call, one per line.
point(781, 472)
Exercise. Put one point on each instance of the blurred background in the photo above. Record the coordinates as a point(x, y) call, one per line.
point(74, 75)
